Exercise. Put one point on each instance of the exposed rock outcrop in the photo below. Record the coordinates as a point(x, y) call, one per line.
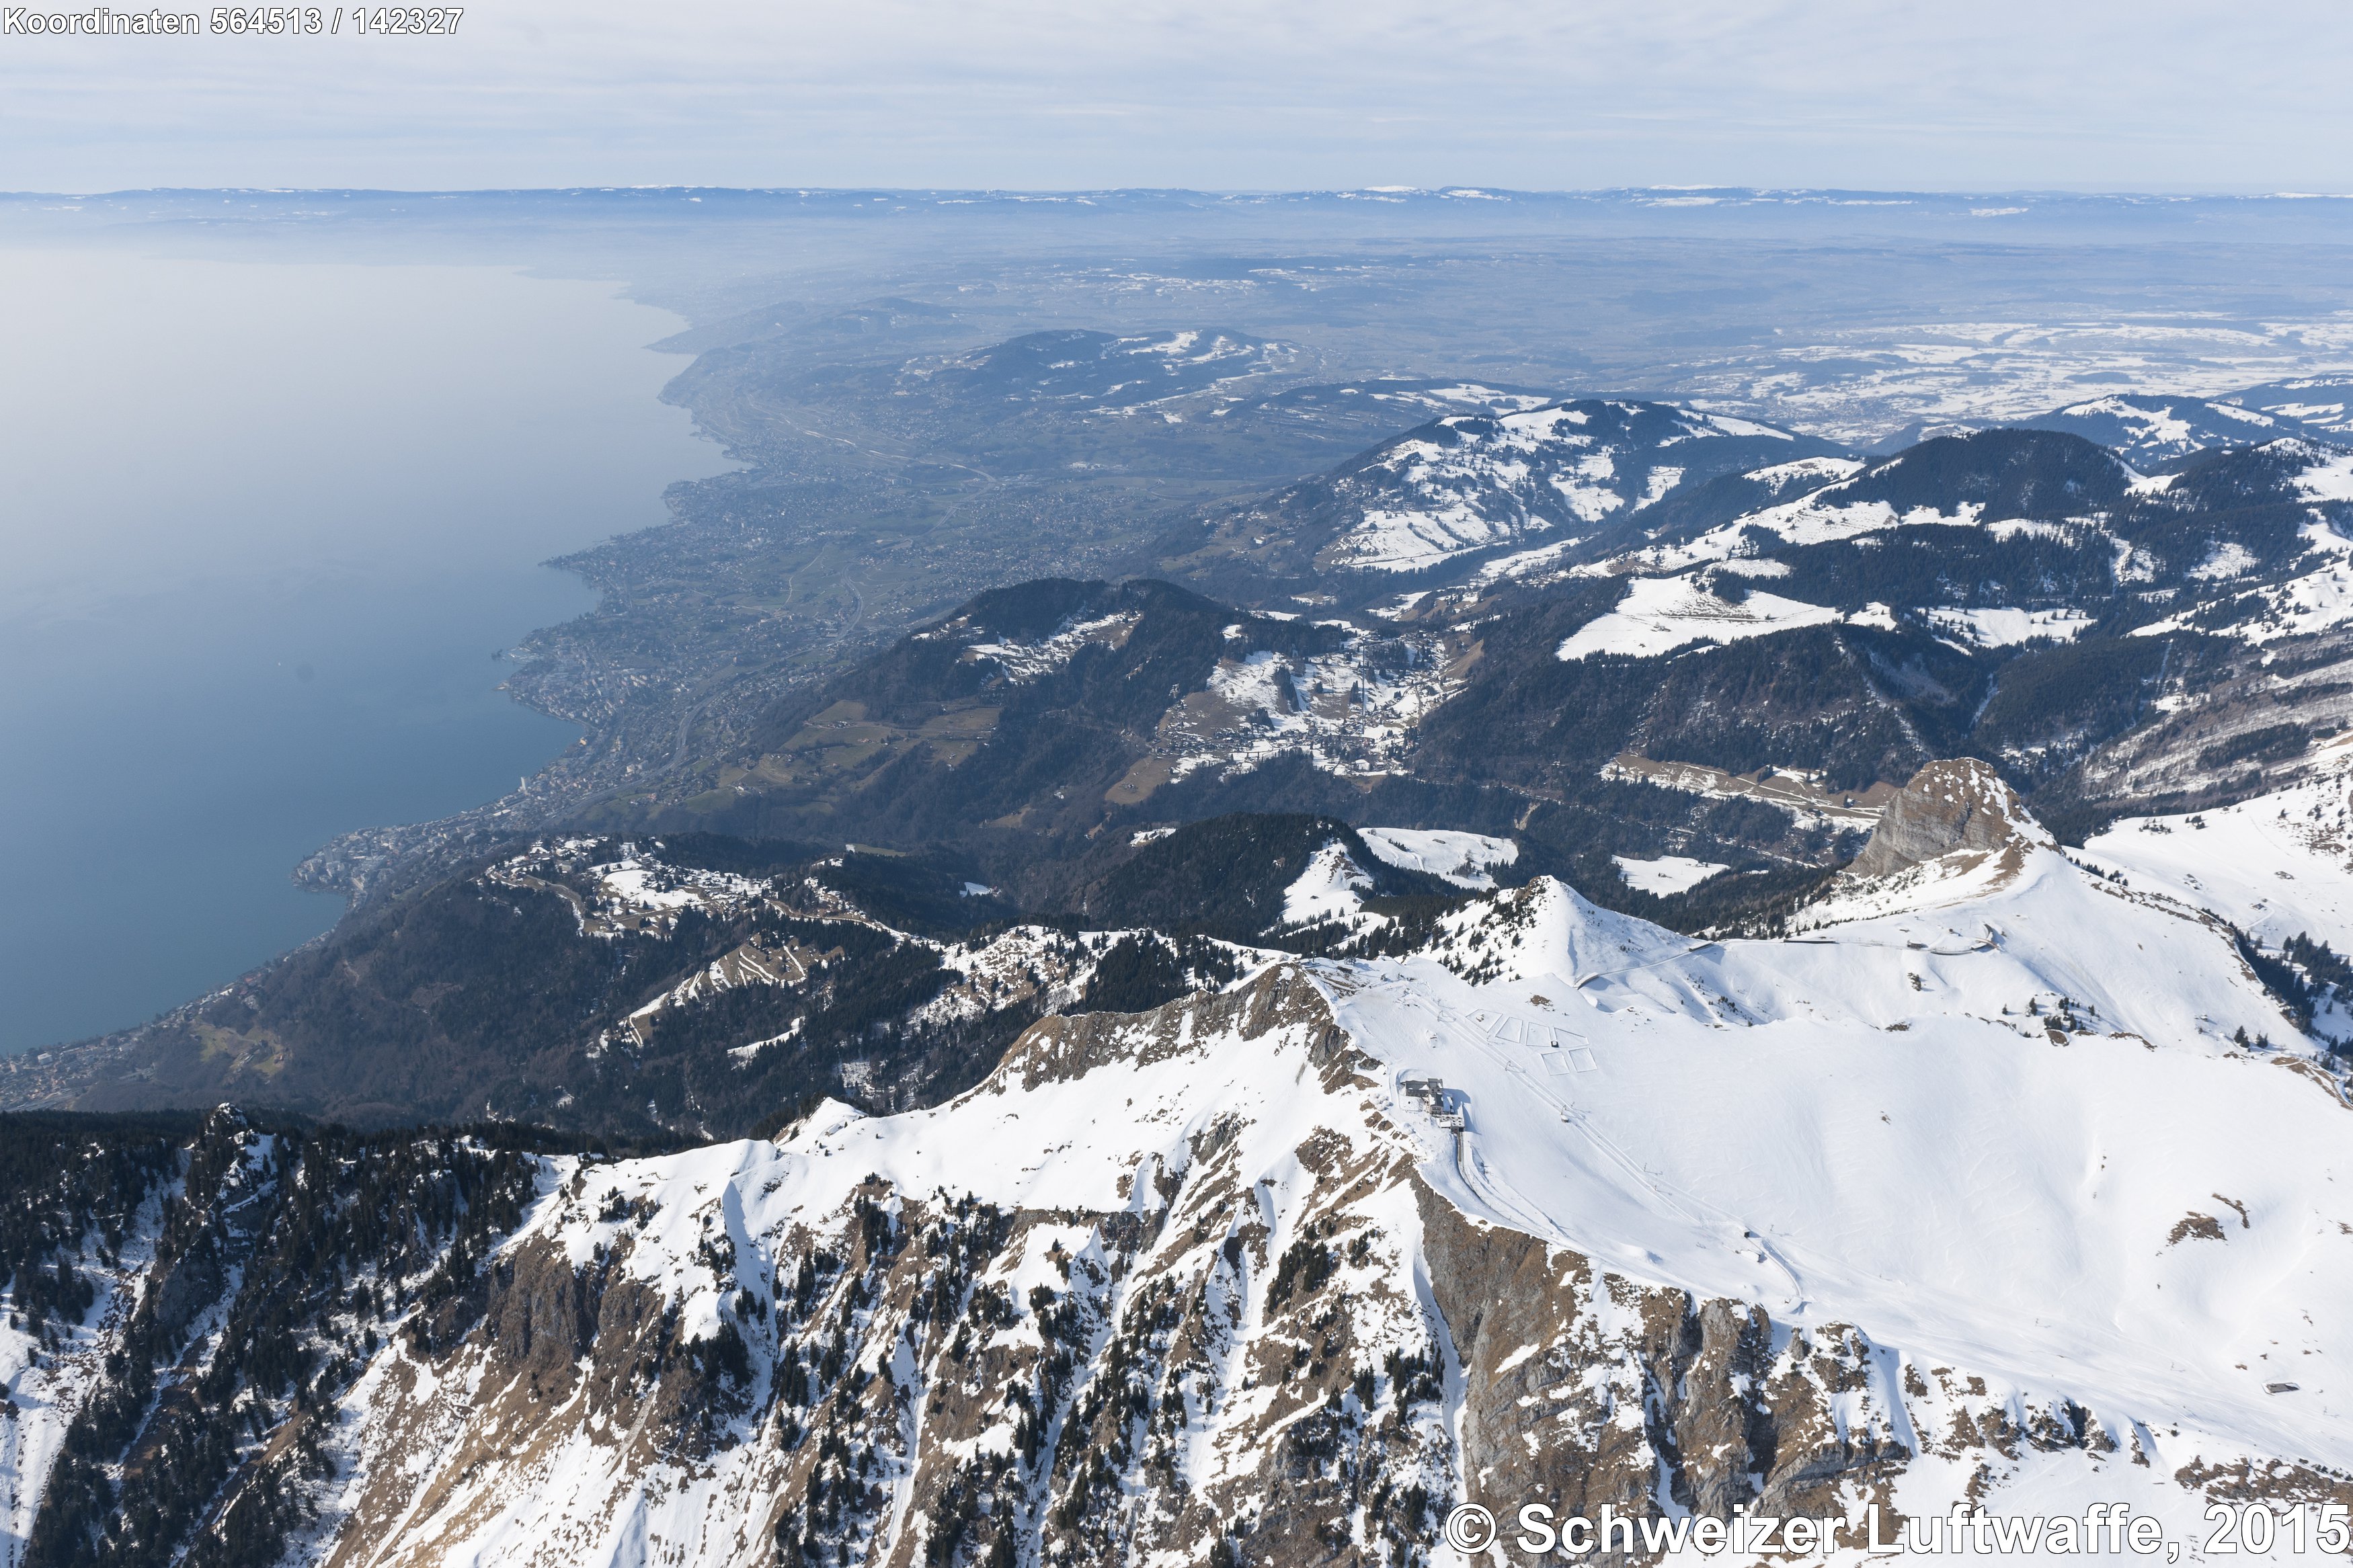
point(1955, 831)
point(1634, 1391)
point(1955, 806)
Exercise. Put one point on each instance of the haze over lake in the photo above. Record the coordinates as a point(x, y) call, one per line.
point(265, 527)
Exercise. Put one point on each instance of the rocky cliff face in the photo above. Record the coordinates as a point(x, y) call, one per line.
point(183, 1408)
point(889, 1375)
point(1954, 832)
point(1959, 807)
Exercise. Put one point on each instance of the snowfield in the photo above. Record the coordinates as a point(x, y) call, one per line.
point(1966, 1188)
point(1667, 875)
point(2330, 477)
point(1475, 482)
point(1659, 614)
point(2276, 867)
point(2004, 627)
point(1462, 858)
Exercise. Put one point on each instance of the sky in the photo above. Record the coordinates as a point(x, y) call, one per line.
point(2155, 95)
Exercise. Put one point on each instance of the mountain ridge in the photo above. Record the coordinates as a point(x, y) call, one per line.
point(1304, 1245)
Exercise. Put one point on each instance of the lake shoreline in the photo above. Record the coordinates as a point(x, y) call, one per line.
point(266, 623)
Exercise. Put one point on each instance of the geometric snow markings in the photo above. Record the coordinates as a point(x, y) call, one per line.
point(1513, 1031)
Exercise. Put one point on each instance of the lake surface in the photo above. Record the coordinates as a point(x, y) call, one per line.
point(262, 530)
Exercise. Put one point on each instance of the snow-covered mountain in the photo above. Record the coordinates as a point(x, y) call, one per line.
point(1992, 540)
point(1466, 484)
point(2146, 431)
point(2320, 402)
point(2117, 642)
point(1981, 481)
point(2012, 1183)
point(1528, 998)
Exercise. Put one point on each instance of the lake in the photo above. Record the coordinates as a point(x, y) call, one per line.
point(263, 530)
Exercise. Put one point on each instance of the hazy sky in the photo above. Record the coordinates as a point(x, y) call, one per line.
point(1219, 94)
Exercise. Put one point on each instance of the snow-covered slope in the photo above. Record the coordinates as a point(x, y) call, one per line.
point(2276, 866)
point(1659, 614)
point(1975, 1191)
point(1467, 483)
point(2147, 430)
point(1461, 858)
point(2320, 402)
point(1470, 483)
point(1666, 874)
point(1984, 479)
point(2011, 1182)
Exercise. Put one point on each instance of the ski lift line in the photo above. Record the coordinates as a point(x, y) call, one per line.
point(1530, 1218)
point(1570, 1114)
point(1989, 942)
point(1473, 1175)
point(1467, 1170)
point(1985, 946)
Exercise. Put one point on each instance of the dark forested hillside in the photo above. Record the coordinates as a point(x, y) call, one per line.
point(515, 991)
point(275, 1260)
point(1014, 714)
point(2004, 473)
point(1226, 877)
